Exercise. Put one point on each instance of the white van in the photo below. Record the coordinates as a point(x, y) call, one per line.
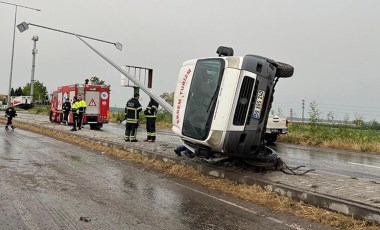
point(221, 104)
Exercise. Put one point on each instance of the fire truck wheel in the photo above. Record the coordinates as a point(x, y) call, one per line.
point(95, 126)
point(51, 116)
point(284, 70)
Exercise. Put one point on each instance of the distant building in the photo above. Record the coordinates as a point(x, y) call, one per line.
point(2, 98)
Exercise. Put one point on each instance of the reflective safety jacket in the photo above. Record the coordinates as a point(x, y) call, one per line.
point(75, 107)
point(151, 110)
point(132, 110)
point(82, 106)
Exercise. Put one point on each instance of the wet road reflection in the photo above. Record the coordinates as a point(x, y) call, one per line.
point(50, 184)
point(352, 164)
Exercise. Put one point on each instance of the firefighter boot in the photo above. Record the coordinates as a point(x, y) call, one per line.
point(6, 127)
point(150, 139)
point(13, 128)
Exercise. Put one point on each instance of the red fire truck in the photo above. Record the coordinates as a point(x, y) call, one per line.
point(97, 103)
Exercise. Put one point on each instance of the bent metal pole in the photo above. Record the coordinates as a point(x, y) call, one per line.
point(148, 91)
point(62, 31)
point(24, 26)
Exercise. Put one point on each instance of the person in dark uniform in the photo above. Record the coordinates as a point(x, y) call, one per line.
point(10, 113)
point(151, 114)
point(132, 111)
point(66, 107)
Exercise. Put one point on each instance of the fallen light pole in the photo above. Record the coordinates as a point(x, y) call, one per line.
point(147, 90)
point(25, 26)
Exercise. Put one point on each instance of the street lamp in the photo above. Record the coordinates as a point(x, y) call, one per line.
point(24, 26)
point(13, 46)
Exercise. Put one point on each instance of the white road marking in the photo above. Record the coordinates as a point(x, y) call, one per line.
point(241, 207)
point(216, 198)
point(372, 166)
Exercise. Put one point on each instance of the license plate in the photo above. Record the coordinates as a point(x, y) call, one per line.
point(259, 104)
point(275, 130)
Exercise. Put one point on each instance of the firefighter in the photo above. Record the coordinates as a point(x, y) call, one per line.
point(132, 111)
point(66, 107)
point(81, 111)
point(74, 111)
point(10, 113)
point(151, 114)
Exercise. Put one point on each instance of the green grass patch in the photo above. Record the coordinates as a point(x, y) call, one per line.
point(340, 137)
point(41, 109)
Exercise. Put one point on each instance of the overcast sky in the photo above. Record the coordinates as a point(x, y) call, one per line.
point(334, 46)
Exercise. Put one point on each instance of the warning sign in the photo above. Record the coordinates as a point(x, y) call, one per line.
point(92, 103)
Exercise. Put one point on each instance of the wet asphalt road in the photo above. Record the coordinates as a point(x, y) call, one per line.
point(348, 163)
point(352, 164)
point(358, 165)
point(50, 184)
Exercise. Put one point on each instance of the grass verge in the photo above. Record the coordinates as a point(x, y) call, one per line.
point(251, 193)
point(340, 137)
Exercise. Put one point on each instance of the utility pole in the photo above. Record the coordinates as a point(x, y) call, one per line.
point(13, 46)
point(34, 52)
point(303, 110)
point(291, 115)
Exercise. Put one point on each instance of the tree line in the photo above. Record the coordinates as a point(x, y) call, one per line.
point(40, 93)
